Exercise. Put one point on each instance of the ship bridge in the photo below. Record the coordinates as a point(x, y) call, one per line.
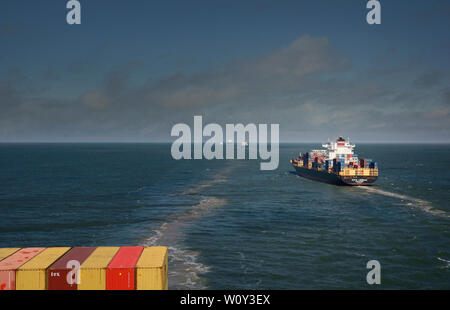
point(341, 148)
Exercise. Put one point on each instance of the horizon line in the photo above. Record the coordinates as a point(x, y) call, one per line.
point(169, 142)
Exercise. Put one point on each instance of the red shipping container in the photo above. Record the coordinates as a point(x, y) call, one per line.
point(120, 274)
point(9, 265)
point(64, 273)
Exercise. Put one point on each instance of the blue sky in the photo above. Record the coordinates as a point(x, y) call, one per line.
point(132, 69)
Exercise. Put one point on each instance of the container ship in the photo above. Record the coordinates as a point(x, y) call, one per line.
point(336, 164)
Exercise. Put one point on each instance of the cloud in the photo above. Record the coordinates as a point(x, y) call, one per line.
point(10, 29)
point(307, 86)
point(429, 79)
point(446, 96)
point(95, 99)
point(283, 71)
point(304, 56)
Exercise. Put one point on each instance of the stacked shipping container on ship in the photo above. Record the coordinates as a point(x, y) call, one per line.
point(93, 270)
point(33, 274)
point(59, 273)
point(5, 252)
point(84, 268)
point(120, 274)
point(337, 164)
point(11, 263)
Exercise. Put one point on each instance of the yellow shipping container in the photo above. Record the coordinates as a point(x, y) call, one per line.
point(151, 269)
point(93, 270)
point(5, 252)
point(375, 171)
point(32, 275)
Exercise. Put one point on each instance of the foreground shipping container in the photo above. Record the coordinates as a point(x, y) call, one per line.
point(32, 275)
point(93, 270)
point(63, 274)
point(151, 269)
point(9, 265)
point(5, 252)
point(120, 274)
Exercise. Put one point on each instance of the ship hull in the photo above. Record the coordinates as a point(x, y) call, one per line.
point(332, 178)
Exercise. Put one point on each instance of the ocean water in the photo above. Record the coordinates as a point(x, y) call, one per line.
point(229, 225)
